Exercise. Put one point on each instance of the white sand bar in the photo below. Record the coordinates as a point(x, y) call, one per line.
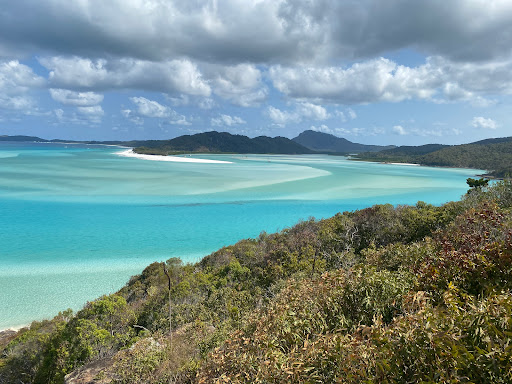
point(178, 159)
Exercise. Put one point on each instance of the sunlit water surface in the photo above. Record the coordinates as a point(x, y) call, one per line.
point(77, 221)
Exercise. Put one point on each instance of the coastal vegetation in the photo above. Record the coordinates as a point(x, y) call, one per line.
point(493, 155)
point(386, 294)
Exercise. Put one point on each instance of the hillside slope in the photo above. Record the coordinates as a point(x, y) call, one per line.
point(493, 155)
point(383, 294)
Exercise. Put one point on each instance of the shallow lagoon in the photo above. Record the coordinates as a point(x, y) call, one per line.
point(77, 221)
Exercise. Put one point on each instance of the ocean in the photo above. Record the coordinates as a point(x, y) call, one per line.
point(77, 221)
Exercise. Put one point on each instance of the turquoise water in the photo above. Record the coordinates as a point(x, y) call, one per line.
point(77, 221)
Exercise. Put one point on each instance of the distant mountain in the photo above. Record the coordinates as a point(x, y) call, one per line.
point(220, 142)
point(20, 138)
point(324, 142)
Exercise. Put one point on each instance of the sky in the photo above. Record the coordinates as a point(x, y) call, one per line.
point(403, 72)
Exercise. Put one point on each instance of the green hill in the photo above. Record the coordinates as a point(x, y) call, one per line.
point(407, 294)
point(324, 142)
point(220, 142)
point(20, 138)
point(406, 150)
point(493, 155)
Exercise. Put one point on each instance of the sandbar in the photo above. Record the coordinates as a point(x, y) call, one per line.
point(416, 165)
point(178, 159)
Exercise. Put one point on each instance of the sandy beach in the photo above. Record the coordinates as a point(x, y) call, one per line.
point(178, 159)
point(416, 165)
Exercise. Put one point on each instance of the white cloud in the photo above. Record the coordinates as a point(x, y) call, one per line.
point(382, 80)
point(240, 84)
point(399, 130)
point(227, 121)
point(352, 114)
point(16, 78)
point(483, 123)
point(153, 109)
point(18, 103)
point(282, 117)
point(322, 128)
point(95, 110)
point(16, 83)
point(370, 81)
point(81, 99)
point(312, 111)
point(303, 110)
point(172, 76)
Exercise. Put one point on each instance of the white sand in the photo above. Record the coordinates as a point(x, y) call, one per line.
point(416, 165)
point(15, 328)
point(130, 153)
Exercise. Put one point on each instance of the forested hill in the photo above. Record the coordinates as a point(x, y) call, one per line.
point(214, 142)
point(407, 294)
point(20, 138)
point(220, 142)
point(324, 142)
point(493, 155)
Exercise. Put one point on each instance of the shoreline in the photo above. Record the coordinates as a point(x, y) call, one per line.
point(413, 164)
point(484, 175)
point(177, 159)
point(15, 328)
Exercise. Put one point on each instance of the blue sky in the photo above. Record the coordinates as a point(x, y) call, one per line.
point(373, 71)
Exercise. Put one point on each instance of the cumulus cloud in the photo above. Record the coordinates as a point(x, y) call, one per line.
point(483, 123)
point(173, 76)
point(370, 81)
point(155, 30)
point(93, 111)
point(278, 30)
point(153, 109)
point(382, 80)
point(227, 121)
point(240, 84)
point(16, 78)
point(399, 130)
point(312, 111)
point(282, 117)
point(16, 82)
point(79, 99)
point(303, 110)
point(322, 128)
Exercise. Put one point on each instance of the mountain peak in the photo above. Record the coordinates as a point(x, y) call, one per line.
point(325, 142)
